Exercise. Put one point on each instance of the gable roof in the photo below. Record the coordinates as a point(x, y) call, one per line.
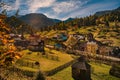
point(71, 41)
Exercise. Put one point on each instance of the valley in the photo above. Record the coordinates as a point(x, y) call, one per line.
point(36, 47)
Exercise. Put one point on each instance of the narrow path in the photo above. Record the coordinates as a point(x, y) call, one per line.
point(97, 55)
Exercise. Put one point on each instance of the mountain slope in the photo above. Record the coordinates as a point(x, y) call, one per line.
point(56, 20)
point(38, 20)
point(100, 13)
point(69, 19)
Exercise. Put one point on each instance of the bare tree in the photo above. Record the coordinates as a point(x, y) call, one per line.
point(17, 13)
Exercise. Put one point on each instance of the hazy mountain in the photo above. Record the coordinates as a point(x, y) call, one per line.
point(106, 11)
point(56, 20)
point(69, 19)
point(38, 20)
point(102, 12)
point(118, 8)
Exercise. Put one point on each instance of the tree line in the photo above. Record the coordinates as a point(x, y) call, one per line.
point(92, 20)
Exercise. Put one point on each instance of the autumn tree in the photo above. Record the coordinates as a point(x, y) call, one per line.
point(8, 52)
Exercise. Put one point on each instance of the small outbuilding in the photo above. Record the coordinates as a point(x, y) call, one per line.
point(37, 46)
point(81, 70)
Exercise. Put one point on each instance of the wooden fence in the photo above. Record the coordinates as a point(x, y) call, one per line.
point(105, 59)
point(52, 57)
point(26, 63)
point(24, 72)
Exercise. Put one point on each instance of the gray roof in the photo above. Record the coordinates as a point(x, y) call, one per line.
point(79, 65)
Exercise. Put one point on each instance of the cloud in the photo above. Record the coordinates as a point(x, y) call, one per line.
point(12, 6)
point(92, 8)
point(66, 6)
point(29, 6)
point(34, 5)
point(61, 9)
point(56, 8)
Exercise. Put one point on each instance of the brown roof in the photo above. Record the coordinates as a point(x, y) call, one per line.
point(34, 43)
point(71, 41)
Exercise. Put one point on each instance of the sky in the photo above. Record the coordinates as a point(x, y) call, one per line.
point(59, 9)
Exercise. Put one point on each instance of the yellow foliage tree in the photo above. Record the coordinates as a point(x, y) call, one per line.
point(7, 49)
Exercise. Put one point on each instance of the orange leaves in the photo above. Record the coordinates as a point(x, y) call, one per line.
point(0, 35)
point(3, 26)
point(6, 28)
point(11, 41)
point(6, 36)
point(17, 57)
point(4, 41)
point(12, 48)
point(8, 49)
point(3, 30)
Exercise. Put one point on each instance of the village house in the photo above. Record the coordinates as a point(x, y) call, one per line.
point(60, 37)
point(19, 40)
point(87, 44)
point(92, 47)
point(76, 41)
point(71, 42)
point(79, 36)
point(58, 40)
point(36, 43)
point(21, 43)
point(81, 45)
point(96, 47)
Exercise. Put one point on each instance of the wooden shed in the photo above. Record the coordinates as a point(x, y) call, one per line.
point(81, 70)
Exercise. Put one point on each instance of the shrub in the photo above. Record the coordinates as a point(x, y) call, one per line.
point(40, 76)
point(29, 53)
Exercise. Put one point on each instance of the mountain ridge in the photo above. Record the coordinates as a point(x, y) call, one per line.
point(100, 13)
point(38, 20)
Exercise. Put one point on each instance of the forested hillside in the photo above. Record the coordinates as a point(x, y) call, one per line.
point(92, 20)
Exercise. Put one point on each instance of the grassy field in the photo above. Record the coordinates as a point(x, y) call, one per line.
point(46, 64)
point(62, 75)
point(100, 72)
